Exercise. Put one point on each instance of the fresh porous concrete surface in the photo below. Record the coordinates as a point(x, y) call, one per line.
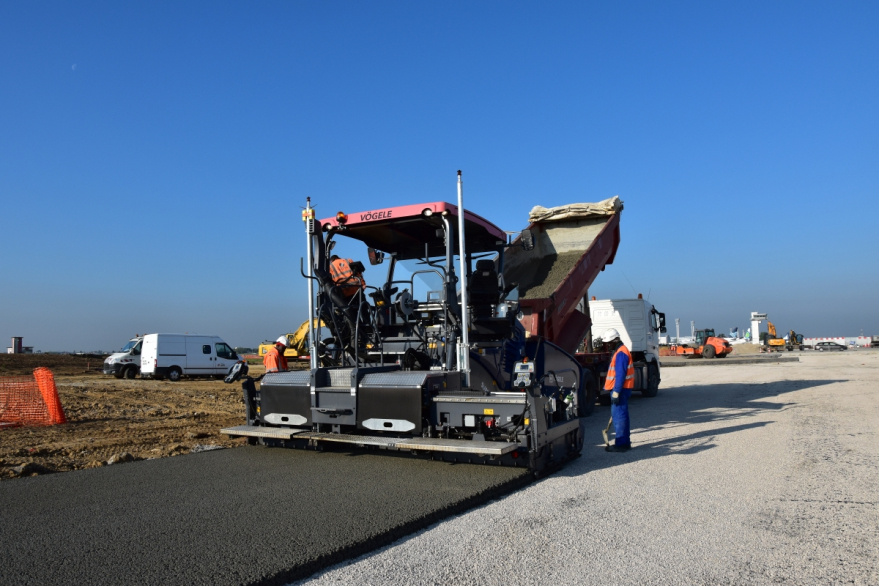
point(228, 517)
point(750, 474)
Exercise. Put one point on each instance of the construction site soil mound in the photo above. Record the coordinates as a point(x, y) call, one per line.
point(113, 420)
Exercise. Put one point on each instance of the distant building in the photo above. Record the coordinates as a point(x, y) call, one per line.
point(17, 348)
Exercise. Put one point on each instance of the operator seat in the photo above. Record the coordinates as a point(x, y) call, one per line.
point(484, 290)
point(484, 293)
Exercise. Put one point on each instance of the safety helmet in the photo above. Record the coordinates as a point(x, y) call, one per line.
point(283, 340)
point(610, 335)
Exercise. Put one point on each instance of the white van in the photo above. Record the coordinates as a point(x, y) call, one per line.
point(193, 355)
point(127, 362)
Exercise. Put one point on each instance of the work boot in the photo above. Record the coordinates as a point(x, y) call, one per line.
point(618, 448)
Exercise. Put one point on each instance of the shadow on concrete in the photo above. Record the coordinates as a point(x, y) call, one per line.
point(676, 409)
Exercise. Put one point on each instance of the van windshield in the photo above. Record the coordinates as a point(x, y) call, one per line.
point(128, 345)
point(225, 352)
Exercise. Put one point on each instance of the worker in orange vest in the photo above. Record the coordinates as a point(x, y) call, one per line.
point(619, 381)
point(347, 274)
point(274, 360)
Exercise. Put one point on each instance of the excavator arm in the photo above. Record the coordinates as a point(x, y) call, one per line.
point(299, 340)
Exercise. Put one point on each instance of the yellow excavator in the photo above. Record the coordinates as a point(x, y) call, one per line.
point(298, 342)
point(774, 344)
point(771, 342)
point(795, 341)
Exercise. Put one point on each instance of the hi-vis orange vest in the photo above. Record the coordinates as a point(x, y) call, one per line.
point(342, 275)
point(630, 381)
point(275, 360)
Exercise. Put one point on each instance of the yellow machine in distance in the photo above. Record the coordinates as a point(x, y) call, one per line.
point(774, 344)
point(298, 342)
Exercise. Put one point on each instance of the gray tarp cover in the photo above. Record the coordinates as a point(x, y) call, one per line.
point(607, 207)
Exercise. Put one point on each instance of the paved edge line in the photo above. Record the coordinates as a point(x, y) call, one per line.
point(374, 543)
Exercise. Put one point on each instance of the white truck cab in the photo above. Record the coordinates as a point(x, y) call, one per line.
point(640, 326)
point(193, 355)
point(637, 321)
point(127, 362)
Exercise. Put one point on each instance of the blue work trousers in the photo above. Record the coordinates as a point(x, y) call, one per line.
point(620, 416)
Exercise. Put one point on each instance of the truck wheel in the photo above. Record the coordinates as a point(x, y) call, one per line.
point(587, 396)
point(174, 374)
point(653, 381)
point(708, 352)
point(131, 372)
point(119, 374)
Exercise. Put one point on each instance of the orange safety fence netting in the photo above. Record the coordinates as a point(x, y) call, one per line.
point(30, 401)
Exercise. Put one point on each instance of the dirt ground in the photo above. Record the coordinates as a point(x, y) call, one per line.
point(113, 420)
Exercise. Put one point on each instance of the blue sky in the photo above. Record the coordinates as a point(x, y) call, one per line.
point(155, 156)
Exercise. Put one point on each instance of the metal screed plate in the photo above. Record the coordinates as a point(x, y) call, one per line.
point(476, 447)
point(261, 432)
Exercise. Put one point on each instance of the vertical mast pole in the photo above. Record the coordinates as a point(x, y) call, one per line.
point(464, 364)
point(309, 219)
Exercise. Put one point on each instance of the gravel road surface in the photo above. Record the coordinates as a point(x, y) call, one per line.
point(759, 474)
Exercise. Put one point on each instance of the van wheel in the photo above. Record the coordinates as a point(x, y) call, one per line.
point(174, 374)
point(131, 373)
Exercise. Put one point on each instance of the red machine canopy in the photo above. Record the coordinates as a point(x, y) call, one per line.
point(405, 230)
